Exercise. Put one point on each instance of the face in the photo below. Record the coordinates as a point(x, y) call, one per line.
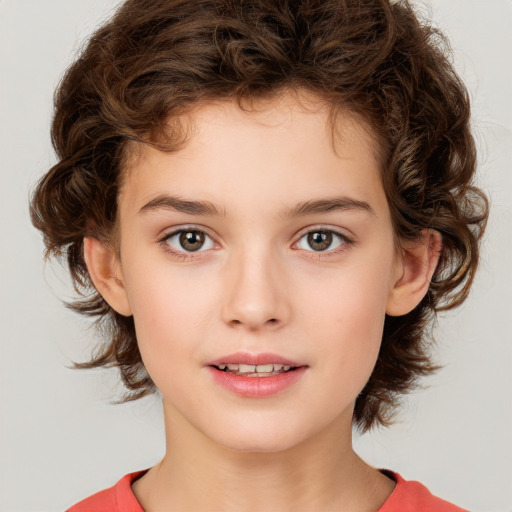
point(258, 244)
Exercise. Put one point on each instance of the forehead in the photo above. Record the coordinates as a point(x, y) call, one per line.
point(337, 121)
point(283, 147)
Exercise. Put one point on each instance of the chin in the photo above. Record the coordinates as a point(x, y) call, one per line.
point(260, 438)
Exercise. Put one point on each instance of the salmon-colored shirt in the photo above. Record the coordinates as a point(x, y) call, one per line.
point(407, 496)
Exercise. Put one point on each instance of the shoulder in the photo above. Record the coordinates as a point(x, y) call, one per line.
point(411, 496)
point(116, 498)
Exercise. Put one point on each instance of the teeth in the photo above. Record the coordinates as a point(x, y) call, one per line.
point(251, 368)
point(246, 368)
point(265, 368)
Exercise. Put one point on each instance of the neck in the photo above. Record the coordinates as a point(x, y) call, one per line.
point(322, 473)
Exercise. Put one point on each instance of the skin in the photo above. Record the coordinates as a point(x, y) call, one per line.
point(258, 286)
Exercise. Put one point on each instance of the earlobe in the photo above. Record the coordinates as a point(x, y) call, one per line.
point(105, 271)
point(418, 263)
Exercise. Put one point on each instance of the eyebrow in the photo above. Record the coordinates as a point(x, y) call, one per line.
point(167, 202)
point(206, 208)
point(327, 205)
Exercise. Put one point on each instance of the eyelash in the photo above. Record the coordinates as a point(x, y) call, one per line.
point(345, 242)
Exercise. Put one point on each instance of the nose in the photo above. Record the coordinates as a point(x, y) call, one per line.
point(255, 292)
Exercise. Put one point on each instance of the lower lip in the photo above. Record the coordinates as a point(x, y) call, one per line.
point(257, 387)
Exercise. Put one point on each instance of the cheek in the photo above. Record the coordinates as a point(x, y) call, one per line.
point(353, 298)
point(170, 314)
point(158, 293)
point(348, 321)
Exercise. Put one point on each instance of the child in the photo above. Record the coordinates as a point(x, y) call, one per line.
point(264, 204)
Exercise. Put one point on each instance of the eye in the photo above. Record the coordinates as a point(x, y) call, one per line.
point(188, 240)
point(323, 240)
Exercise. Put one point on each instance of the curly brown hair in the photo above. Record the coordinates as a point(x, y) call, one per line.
point(157, 59)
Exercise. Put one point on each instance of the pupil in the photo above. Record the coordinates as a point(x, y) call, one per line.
point(321, 239)
point(191, 240)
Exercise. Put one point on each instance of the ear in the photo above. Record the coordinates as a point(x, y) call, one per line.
point(416, 267)
point(105, 270)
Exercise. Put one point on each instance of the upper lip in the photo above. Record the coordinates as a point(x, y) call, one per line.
point(253, 359)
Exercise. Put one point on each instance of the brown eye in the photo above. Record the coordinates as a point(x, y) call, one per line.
point(191, 240)
point(319, 240)
point(188, 240)
point(322, 240)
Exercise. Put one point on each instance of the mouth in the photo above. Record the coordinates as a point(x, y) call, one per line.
point(256, 376)
point(255, 370)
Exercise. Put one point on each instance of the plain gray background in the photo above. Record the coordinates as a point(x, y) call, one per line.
point(61, 440)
